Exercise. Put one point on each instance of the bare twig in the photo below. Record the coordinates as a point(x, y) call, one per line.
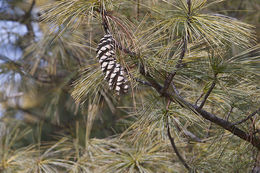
point(198, 99)
point(189, 6)
point(172, 141)
point(175, 149)
point(27, 20)
point(143, 82)
point(104, 19)
point(207, 94)
point(185, 38)
point(28, 13)
point(178, 65)
point(230, 111)
point(247, 118)
point(187, 132)
point(138, 9)
point(208, 130)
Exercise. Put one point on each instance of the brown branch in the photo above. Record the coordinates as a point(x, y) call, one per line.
point(185, 38)
point(172, 140)
point(198, 99)
point(170, 77)
point(247, 118)
point(178, 65)
point(228, 126)
point(187, 133)
point(175, 97)
point(143, 82)
point(28, 14)
point(175, 149)
point(229, 113)
point(189, 6)
point(208, 93)
point(207, 115)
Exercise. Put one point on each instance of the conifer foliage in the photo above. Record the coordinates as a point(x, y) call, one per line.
point(192, 66)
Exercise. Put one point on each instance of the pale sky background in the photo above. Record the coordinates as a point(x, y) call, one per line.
point(9, 33)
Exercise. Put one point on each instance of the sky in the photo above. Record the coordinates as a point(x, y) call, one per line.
point(10, 32)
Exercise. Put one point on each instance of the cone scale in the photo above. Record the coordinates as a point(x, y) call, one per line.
point(114, 73)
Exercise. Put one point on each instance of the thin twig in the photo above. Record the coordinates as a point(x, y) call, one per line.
point(175, 148)
point(207, 94)
point(189, 6)
point(143, 82)
point(138, 9)
point(184, 49)
point(27, 15)
point(104, 19)
point(229, 113)
point(187, 132)
point(178, 65)
point(198, 99)
point(208, 130)
point(27, 20)
point(172, 140)
point(247, 118)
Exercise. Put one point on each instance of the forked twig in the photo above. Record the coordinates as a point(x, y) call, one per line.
point(247, 118)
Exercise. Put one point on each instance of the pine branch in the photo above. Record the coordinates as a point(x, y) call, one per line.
point(198, 99)
point(28, 14)
point(185, 38)
point(175, 97)
point(229, 113)
point(247, 118)
point(27, 20)
point(178, 65)
point(143, 82)
point(175, 149)
point(187, 133)
point(172, 140)
point(208, 93)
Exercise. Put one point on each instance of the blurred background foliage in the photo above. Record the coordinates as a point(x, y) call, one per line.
point(57, 113)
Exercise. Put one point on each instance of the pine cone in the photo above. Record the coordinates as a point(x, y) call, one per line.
point(114, 73)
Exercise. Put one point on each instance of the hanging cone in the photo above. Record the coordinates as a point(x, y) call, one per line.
point(114, 73)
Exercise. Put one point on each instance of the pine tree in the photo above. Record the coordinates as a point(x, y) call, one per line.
point(190, 78)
